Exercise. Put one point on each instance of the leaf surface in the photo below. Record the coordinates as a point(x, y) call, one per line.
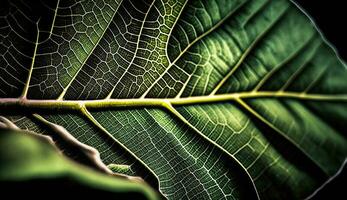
point(205, 99)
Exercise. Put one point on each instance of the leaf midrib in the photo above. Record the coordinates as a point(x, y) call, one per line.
point(168, 104)
point(155, 102)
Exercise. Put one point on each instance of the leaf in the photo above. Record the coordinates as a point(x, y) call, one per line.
point(43, 167)
point(205, 99)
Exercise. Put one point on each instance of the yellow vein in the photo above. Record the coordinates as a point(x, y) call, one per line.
point(157, 102)
point(26, 86)
point(170, 108)
point(272, 126)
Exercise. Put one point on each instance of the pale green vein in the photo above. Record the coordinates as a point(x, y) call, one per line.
point(207, 32)
point(173, 26)
point(54, 18)
point(265, 121)
point(189, 46)
point(62, 94)
point(266, 168)
point(91, 118)
point(258, 157)
point(26, 86)
point(300, 68)
point(316, 79)
point(246, 53)
point(170, 108)
point(137, 47)
point(283, 63)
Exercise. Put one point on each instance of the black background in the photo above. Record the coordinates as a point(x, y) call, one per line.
point(331, 18)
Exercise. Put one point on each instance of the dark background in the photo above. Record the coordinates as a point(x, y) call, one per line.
point(331, 18)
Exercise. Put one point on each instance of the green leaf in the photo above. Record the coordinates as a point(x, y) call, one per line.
point(44, 166)
point(205, 99)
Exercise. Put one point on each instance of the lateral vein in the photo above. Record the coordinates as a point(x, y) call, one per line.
point(189, 46)
point(62, 94)
point(90, 152)
point(246, 54)
point(170, 108)
point(272, 126)
point(27, 83)
point(91, 118)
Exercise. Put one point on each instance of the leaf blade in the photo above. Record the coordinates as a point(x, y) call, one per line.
point(188, 56)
